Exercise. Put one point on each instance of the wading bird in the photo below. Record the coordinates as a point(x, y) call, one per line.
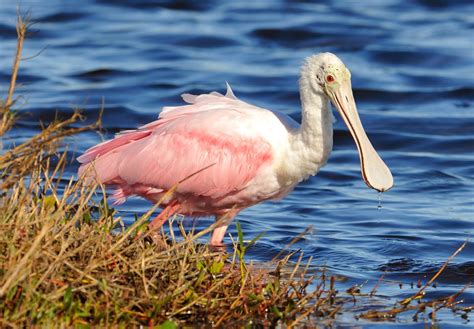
point(227, 155)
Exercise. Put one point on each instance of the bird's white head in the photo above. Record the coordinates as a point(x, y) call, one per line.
point(327, 74)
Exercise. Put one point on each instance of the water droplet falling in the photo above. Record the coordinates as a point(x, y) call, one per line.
point(379, 197)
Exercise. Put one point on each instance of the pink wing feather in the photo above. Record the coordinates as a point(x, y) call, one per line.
point(208, 146)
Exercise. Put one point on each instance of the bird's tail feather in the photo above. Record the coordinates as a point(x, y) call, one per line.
point(105, 147)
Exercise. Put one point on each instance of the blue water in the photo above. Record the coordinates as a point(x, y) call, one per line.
point(412, 69)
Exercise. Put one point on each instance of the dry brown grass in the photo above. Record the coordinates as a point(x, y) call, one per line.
point(7, 115)
point(67, 259)
point(60, 267)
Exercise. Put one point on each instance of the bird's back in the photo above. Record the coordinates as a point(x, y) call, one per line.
point(213, 147)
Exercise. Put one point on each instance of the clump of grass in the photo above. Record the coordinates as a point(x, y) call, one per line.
point(60, 267)
point(67, 259)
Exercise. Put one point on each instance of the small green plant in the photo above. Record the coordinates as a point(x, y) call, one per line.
point(242, 248)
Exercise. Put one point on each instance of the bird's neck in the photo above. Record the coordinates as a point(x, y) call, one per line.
point(311, 144)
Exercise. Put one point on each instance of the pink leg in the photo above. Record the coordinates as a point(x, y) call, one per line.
point(219, 232)
point(171, 209)
point(218, 236)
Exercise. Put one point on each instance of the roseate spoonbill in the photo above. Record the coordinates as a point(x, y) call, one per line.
point(234, 154)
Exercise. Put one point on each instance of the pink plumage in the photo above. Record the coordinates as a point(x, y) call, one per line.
point(227, 155)
point(208, 148)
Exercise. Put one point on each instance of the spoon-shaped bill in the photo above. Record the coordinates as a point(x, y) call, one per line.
point(374, 171)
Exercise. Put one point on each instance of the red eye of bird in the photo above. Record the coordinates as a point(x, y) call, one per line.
point(330, 78)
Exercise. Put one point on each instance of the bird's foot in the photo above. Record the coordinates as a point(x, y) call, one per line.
point(220, 247)
point(159, 240)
